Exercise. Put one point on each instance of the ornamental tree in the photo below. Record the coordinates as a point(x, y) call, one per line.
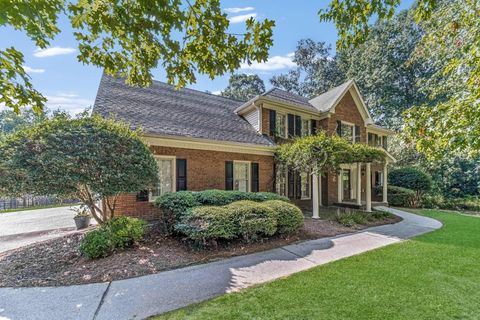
point(90, 158)
point(321, 153)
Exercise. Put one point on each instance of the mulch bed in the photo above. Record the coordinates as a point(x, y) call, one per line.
point(58, 262)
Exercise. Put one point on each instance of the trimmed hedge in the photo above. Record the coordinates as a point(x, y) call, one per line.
point(411, 178)
point(289, 216)
point(244, 219)
point(175, 205)
point(400, 197)
point(120, 232)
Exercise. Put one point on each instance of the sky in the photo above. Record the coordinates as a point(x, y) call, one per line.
point(72, 86)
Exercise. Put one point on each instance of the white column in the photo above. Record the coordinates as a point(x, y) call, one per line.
point(315, 197)
point(359, 184)
point(368, 188)
point(339, 185)
point(385, 179)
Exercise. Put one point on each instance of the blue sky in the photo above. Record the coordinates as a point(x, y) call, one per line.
point(69, 84)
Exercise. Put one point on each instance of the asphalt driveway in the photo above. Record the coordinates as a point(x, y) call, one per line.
point(21, 228)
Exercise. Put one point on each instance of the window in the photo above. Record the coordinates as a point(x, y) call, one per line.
point(305, 181)
point(306, 128)
point(281, 181)
point(241, 175)
point(166, 176)
point(348, 131)
point(281, 125)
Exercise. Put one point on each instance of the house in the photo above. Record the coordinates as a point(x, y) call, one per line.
point(204, 141)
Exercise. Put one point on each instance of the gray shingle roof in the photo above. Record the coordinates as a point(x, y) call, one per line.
point(326, 101)
point(160, 109)
point(282, 95)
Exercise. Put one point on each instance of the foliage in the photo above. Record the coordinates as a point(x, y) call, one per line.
point(289, 217)
point(87, 158)
point(118, 233)
point(97, 244)
point(125, 231)
point(435, 201)
point(254, 219)
point(11, 121)
point(452, 45)
point(130, 38)
point(244, 87)
point(413, 179)
point(350, 218)
point(399, 197)
point(321, 152)
point(317, 70)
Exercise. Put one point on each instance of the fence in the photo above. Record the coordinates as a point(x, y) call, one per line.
point(32, 201)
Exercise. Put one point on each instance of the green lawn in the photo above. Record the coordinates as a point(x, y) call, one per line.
point(434, 276)
point(57, 205)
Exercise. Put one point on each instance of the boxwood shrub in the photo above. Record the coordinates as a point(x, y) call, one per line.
point(400, 197)
point(289, 217)
point(97, 244)
point(254, 219)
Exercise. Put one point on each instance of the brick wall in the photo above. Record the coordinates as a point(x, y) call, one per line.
point(205, 170)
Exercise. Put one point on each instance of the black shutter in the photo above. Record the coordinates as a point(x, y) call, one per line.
point(255, 177)
point(273, 122)
point(228, 175)
point(357, 134)
point(298, 126)
point(339, 128)
point(370, 139)
point(298, 181)
point(181, 174)
point(314, 127)
point(291, 183)
point(142, 195)
point(291, 125)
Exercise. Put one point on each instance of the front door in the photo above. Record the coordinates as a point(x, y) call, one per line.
point(347, 185)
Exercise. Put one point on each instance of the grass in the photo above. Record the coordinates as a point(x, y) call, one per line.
point(57, 205)
point(433, 276)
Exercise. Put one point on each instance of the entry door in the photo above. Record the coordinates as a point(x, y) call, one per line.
point(347, 185)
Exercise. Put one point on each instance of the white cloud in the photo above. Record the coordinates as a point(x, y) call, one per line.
point(217, 93)
point(53, 51)
point(68, 102)
point(238, 10)
point(273, 63)
point(242, 18)
point(33, 70)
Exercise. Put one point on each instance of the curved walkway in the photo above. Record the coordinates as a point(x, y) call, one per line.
point(141, 297)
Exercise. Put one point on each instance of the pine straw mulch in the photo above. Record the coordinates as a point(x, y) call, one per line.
point(58, 262)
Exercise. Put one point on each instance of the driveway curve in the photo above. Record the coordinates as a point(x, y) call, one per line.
point(141, 297)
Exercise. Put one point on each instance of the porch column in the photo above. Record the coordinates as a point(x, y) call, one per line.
point(368, 188)
point(385, 179)
point(359, 183)
point(339, 186)
point(316, 196)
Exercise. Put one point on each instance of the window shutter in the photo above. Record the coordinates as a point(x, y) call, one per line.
point(313, 127)
point(339, 128)
point(255, 177)
point(273, 122)
point(298, 186)
point(291, 183)
point(228, 175)
point(181, 174)
point(357, 134)
point(142, 195)
point(298, 126)
point(291, 125)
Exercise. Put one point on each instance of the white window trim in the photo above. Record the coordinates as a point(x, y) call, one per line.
point(249, 173)
point(174, 175)
point(353, 129)
point(309, 188)
point(285, 121)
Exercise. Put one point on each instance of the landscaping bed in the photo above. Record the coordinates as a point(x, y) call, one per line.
point(59, 262)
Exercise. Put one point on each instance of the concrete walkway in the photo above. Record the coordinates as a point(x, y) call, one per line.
point(145, 296)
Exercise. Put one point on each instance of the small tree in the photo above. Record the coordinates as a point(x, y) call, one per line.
point(89, 158)
point(244, 87)
point(413, 179)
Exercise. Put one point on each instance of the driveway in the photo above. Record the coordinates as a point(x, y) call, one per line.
point(22, 228)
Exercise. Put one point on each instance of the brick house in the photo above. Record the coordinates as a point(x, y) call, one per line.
point(204, 141)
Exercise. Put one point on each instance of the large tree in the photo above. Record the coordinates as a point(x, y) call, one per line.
point(130, 38)
point(244, 87)
point(317, 70)
point(89, 158)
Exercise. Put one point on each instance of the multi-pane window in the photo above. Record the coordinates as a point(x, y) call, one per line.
point(241, 176)
point(281, 181)
point(305, 181)
point(281, 125)
point(166, 175)
point(306, 129)
point(348, 131)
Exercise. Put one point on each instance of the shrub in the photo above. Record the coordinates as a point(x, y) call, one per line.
point(125, 231)
point(289, 217)
point(413, 179)
point(177, 203)
point(97, 244)
point(350, 218)
point(254, 219)
point(400, 197)
point(439, 202)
